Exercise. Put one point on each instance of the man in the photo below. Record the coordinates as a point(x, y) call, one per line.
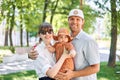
point(87, 59)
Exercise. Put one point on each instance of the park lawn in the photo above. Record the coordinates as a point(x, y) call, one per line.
point(106, 73)
point(23, 75)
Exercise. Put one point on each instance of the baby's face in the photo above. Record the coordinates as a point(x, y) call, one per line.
point(63, 38)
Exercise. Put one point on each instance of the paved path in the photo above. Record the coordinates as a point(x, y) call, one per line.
point(104, 55)
point(105, 58)
point(6, 68)
point(13, 67)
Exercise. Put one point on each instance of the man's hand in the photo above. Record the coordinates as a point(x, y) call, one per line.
point(33, 54)
point(64, 76)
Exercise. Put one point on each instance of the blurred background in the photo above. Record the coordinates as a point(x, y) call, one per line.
point(19, 21)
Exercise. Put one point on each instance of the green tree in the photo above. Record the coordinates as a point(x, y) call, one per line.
point(112, 56)
point(5, 14)
point(53, 8)
point(12, 22)
point(46, 3)
point(28, 14)
point(62, 11)
point(114, 22)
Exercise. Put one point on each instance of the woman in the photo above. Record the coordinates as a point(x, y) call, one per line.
point(45, 63)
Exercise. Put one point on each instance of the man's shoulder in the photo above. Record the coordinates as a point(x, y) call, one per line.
point(88, 38)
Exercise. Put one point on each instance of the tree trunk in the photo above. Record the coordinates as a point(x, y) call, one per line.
point(53, 11)
point(27, 38)
point(21, 27)
point(10, 37)
point(112, 56)
point(7, 30)
point(81, 3)
point(12, 25)
point(6, 37)
point(21, 31)
point(45, 9)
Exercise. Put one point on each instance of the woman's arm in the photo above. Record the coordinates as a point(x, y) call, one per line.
point(55, 69)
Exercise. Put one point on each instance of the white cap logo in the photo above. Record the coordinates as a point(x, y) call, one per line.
point(76, 12)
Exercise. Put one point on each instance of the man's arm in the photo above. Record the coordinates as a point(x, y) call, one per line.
point(84, 72)
point(87, 71)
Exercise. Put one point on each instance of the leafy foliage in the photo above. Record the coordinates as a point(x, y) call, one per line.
point(90, 19)
point(104, 9)
point(32, 13)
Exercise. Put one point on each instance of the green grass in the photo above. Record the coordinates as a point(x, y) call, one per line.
point(106, 73)
point(24, 75)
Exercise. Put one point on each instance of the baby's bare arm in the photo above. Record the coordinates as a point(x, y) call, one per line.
point(52, 72)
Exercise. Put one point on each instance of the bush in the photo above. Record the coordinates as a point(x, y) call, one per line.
point(11, 48)
point(7, 50)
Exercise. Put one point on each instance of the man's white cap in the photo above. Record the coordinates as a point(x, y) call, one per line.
point(76, 12)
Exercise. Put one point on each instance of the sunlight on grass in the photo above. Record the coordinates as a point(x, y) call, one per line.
point(103, 78)
point(108, 73)
point(24, 75)
point(25, 78)
point(105, 73)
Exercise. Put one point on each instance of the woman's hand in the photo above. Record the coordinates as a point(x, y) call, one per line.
point(33, 54)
